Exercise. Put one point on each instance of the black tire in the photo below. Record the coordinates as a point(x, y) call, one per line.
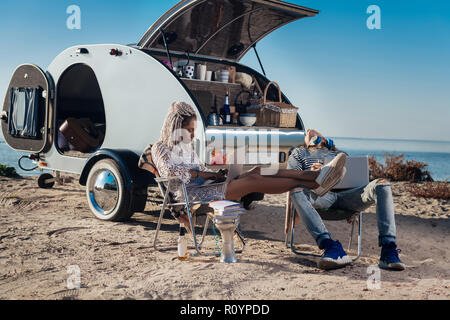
point(111, 201)
point(46, 181)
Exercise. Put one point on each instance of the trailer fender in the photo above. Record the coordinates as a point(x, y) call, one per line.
point(136, 179)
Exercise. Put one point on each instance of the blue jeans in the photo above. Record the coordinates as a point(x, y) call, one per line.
point(358, 199)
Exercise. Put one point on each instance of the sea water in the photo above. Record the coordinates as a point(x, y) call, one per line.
point(10, 158)
point(435, 153)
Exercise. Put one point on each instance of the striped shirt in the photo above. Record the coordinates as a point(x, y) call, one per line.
point(302, 159)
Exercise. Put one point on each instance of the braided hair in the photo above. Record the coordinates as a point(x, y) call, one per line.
point(179, 114)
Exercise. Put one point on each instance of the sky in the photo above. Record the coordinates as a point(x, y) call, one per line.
point(347, 80)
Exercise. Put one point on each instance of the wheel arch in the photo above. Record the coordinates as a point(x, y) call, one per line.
point(127, 161)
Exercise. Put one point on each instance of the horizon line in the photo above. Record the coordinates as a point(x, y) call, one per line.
point(390, 139)
point(356, 138)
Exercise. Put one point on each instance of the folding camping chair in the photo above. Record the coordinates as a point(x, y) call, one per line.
point(357, 176)
point(175, 208)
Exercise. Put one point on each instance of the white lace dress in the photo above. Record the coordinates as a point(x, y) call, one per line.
point(178, 163)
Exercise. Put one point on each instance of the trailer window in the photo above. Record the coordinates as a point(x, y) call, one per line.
point(79, 97)
point(24, 113)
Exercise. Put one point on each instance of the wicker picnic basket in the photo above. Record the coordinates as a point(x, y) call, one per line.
point(272, 113)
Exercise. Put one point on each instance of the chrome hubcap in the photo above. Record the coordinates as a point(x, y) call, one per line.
point(104, 193)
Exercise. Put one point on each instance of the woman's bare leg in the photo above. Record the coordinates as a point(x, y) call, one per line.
point(298, 174)
point(255, 183)
point(310, 175)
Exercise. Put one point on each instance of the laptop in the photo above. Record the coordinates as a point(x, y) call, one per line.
point(357, 172)
point(234, 171)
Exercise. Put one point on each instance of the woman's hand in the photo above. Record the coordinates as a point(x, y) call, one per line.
point(216, 176)
point(220, 176)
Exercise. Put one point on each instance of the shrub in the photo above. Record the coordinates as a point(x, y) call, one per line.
point(436, 190)
point(8, 172)
point(397, 169)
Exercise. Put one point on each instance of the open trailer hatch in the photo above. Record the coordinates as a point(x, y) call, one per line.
point(224, 29)
point(25, 109)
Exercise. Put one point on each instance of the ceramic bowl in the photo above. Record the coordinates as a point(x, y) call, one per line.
point(248, 120)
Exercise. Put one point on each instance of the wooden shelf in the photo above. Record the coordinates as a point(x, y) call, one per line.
point(253, 127)
point(204, 82)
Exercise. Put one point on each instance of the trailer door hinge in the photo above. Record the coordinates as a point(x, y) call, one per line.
point(4, 116)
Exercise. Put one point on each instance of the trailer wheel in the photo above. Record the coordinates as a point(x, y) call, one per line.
point(107, 195)
point(46, 181)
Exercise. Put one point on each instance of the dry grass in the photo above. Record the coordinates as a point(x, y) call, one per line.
point(435, 190)
point(397, 169)
point(421, 183)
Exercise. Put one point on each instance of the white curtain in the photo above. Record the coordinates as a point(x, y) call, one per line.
point(24, 112)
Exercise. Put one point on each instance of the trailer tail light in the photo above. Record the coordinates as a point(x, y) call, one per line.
point(115, 52)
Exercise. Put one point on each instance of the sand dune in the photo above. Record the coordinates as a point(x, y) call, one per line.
point(43, 232)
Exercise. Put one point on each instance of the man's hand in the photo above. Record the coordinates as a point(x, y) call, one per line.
point(310, 133)
point(316, 167)
point(313, 133)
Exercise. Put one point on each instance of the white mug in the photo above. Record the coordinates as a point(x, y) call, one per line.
point(208, 75)
point(201, 72)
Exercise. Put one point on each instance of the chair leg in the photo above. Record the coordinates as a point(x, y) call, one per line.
point(197, 246)
point(189, 213)
point(204, 231)
point(359, 237)
point(163, 210)
point(289, 239)
point(194, 236)
point(241, 239)
point(351, 235)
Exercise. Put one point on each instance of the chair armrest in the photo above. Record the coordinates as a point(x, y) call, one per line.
point(184, 203)
point(212, 184)
point(158, 180)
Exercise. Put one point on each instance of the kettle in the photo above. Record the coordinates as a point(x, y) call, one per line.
point(213, 119)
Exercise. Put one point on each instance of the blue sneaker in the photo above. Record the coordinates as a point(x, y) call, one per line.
point(334, 256)
point(389, 259)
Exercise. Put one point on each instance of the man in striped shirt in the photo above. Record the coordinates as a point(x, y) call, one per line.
point(378, 192)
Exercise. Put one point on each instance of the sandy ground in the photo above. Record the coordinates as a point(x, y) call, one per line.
point(45, 232)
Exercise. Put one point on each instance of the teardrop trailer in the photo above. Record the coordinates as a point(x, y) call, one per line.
point(124, 93)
